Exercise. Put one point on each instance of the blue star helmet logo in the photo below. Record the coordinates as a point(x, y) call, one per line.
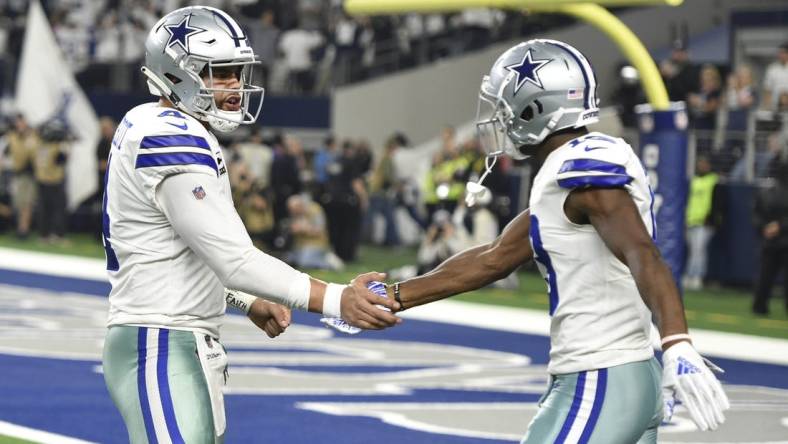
point(527, 71)
point(180, 33)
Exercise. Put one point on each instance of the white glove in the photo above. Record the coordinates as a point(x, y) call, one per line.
point(687, 379)
point(340, 325)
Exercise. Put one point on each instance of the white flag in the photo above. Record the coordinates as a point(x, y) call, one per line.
point(45, 89)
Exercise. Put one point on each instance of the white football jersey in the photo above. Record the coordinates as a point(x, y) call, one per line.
point(598, 318)
point(156, 279)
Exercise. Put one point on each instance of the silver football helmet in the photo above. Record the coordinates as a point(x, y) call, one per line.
point(534, 89)
point(189, 44)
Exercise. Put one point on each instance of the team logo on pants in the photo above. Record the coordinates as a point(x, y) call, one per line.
point(199, 193)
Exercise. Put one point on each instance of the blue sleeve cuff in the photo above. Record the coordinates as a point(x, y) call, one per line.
point(606, 181)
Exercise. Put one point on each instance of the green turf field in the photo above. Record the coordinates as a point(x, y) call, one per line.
point(10, 440)
point(715, 309)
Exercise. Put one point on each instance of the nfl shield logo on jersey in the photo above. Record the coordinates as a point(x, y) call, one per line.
point(199, 193)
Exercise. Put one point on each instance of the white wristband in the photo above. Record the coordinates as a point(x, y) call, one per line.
point(240, 300)
point(331, 300)
point(670, 338)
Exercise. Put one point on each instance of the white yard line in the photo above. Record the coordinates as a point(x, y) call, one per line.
point(521, 320)
point(53, 264)
point(516, 320)
point(37, 436)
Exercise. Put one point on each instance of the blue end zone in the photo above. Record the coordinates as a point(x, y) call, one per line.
point(54, 283)
point(68, 397)
point(58, 396)
point(77, 403)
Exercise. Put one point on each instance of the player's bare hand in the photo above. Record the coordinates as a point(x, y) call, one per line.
point(359, 306)
point(272, 318)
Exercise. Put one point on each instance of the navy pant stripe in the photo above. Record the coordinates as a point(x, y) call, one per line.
point(570, 418)
point(599, 400)
point(164, 388)
point(142, 337)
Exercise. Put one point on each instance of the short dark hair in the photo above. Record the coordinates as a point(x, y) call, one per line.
point(784, 46)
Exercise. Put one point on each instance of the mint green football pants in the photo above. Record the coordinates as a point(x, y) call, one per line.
point(616, 405)
point(157, 382)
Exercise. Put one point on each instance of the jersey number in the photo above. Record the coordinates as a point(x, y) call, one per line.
point(120, 133)
point(112, 258)
point(117, 141)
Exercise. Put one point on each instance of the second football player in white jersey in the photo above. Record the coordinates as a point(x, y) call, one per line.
point(591, 230)
point(174, 241)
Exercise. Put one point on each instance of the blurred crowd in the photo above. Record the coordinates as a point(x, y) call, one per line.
point(306, 46)
point(315, 206)
point(740, 131)
point(310, 206)
point(706, 213)
point(32, 178)
point(727, 107)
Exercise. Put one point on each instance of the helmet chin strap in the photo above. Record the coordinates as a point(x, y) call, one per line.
point(156, 84)
point(475, 190)
point(158, 87)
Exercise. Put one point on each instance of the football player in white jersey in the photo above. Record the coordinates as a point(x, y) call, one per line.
point(174, 241)
point(591, 230)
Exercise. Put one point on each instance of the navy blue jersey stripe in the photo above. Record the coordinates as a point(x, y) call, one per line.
point(614, 181)
point(592, 165)
point(174, 140)
point(166, 159)
point(543, 258)
point(112, 258)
